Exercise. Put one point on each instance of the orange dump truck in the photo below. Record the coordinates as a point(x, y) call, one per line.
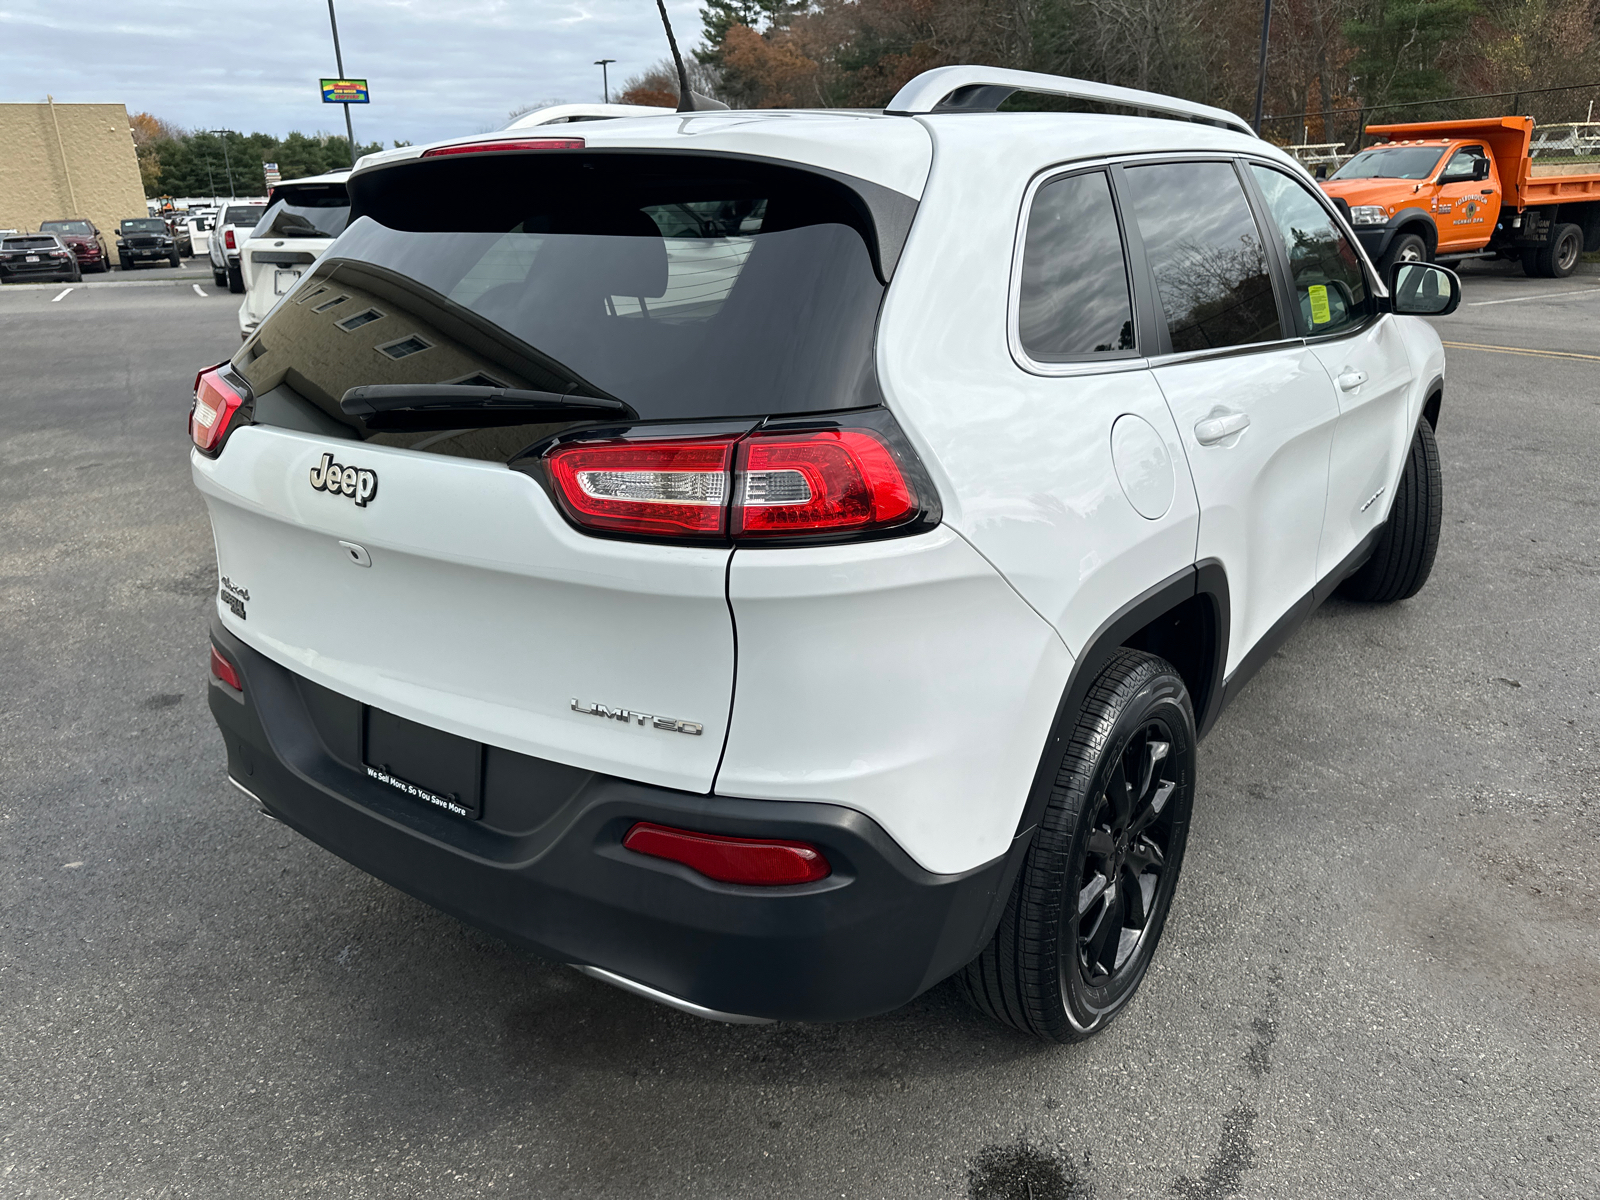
point(1469, 189)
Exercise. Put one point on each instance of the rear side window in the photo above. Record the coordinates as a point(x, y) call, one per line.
point(1074, 302)
point(1206, 253)
point(1330, 290)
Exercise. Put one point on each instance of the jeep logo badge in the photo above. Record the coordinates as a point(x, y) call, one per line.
point(359, 484)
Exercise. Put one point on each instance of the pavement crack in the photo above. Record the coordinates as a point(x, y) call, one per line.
point(1224, 1174)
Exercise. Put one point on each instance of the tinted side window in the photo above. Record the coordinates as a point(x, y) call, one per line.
point(1074, 298)
point(1207, 255)
point(1330, 290)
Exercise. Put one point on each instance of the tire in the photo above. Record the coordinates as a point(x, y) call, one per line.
point(175, 260)
point(1054, 968)
point(235, 280)
point(1530, 264)
point(1408, 247)
point(1559, 256)
point(127, 264)
point(76, 276)
point(1403, 558)
point(220, 278)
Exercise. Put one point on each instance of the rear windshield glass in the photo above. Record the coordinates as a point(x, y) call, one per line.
point(315, 212)
point(685, 287)
point(1392, 162)
point(30, 243)
point(243, 214)
point(82, 227)
point(144, 225)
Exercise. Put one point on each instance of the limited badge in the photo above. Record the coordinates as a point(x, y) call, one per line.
point(359, 483)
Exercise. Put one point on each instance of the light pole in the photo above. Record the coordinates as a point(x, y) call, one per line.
point(1261, 73)
point(338, 60)
point(223, 134)
point(605, 82)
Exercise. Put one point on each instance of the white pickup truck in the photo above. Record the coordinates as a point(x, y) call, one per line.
point(303, 217)
point(234, 221)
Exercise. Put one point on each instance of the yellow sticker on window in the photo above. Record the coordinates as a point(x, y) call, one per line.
point(1320, 315)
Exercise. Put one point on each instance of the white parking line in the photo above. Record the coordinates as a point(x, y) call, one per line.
point(1547, 296)
point(53, 299)
point(197, 290)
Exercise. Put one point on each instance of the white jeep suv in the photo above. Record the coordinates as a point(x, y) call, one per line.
point(776, 561)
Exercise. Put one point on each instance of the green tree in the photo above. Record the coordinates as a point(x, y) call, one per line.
point(1398, 47)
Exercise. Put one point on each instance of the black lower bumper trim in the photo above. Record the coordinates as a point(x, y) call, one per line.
point(871, 936)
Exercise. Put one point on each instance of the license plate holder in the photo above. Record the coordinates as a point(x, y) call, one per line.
point(284, 279)
point(426, 764)
point(31, 258)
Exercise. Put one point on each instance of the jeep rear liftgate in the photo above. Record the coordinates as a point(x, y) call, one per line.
point(450, 592)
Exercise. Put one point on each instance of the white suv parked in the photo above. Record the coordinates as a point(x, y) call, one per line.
point(778, 560)
point(302, 219)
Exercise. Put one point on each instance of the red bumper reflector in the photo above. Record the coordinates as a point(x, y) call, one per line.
point(224, 670)
point(760, 862)
point(493, 147)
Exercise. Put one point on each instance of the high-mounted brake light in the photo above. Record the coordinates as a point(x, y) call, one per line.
point(676, 488)
point(821, 482)
point(215, 404)
point(225, 671)
point(757, 862)
point(570, 143)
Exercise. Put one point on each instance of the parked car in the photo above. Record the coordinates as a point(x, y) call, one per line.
point(233, 224)
point(303, 218)
point(200, 230)
point(777, 640)
point(37, 258)
point(88, 244)
point(145, 239)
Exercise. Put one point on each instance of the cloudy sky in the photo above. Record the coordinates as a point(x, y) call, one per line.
point(436, 68)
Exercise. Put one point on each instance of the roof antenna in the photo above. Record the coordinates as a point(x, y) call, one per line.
point(687, 101)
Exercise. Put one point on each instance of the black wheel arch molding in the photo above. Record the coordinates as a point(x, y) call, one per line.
point(1375, 239)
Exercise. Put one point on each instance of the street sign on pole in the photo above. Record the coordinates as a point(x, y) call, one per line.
point(273, 177)
point(345, 91)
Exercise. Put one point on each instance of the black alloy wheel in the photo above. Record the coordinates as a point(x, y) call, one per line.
point(1082, 923)
point(1125, 860)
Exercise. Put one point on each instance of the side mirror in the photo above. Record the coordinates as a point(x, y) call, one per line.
point(1424, 289)
point(1480, 169)
point(1322, 171)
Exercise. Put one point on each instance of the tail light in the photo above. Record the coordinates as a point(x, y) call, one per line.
point(675, 489)
point(570, 143)
point(842, 479)
point(216, 404)
point(228, 240)
point(758, 862)
point(224, 670)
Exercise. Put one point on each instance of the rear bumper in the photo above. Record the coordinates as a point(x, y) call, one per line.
point(871, 936)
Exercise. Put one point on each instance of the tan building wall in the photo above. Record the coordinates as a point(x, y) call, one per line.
point(68, 160)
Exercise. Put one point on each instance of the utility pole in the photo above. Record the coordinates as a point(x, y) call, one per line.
point(223, 134)
point(1261, 74)
point(338, 59)
point(605, 82)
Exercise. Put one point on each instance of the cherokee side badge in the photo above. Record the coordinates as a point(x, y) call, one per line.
point(671, 724)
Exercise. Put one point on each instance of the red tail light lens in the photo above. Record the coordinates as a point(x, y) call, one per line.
point(215, 403)
point(225, 671)
point(228, 239)
point(757, 862)
point(821, 482)
point(491, 147)
point(673, 488)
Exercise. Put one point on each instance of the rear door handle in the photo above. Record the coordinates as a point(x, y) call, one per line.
point(1214, 429)
point(1351, 380)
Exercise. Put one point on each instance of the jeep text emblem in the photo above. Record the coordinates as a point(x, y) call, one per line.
point(359, 484)
point(625, 716)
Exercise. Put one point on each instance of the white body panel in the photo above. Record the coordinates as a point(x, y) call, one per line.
point(262, 280)
point(1376, 417)
point(1263, 490)
point(483, 612)
point(902, 678)
point(1023, 460)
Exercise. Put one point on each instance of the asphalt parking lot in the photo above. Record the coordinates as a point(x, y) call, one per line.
point(1381, 976)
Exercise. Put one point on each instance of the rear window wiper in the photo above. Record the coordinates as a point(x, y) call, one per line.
point(392, 407)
